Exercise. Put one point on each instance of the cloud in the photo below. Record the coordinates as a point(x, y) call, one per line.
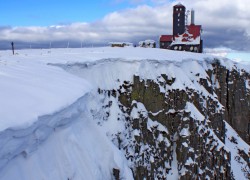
point(128, 25)
point(225, 24)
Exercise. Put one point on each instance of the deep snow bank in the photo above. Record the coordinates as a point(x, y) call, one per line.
point(30, 89)
point(75, 149)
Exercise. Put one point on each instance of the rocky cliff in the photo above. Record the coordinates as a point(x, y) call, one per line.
point(180, 121)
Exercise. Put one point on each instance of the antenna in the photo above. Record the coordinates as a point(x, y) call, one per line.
point(192, 16)
point(186, 17)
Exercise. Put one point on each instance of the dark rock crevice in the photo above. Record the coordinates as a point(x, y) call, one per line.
point(234, 96)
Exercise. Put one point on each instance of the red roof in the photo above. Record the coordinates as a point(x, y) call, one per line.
point(166, 38)
point(185, 35)
point(195, 30)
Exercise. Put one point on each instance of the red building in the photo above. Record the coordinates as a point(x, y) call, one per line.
point(185, 37)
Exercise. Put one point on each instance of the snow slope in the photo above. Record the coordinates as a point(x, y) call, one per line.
point(30, 89)
point(78, 151)
point(45, 120)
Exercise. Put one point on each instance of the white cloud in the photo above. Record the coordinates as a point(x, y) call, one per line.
point(225, 23)
point(143, 21)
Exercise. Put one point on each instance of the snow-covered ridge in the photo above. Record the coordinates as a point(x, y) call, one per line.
point(111, 73)
point(41, 100)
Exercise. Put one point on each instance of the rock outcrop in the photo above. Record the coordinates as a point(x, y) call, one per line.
point(234, 95)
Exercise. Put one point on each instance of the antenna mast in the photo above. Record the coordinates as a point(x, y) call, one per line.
point(186, 17)
point(186, 20)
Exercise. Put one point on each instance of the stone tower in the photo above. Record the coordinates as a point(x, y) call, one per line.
point(179, 12)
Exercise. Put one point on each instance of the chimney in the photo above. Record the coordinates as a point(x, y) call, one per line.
point(192, 17)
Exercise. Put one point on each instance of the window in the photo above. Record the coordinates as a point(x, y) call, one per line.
point(180, 9)
point(178, 24)
point(178, 19)
point(179, 14)
point(177, 9)
point(163, 44)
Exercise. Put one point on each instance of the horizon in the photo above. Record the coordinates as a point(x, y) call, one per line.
point(37, 24)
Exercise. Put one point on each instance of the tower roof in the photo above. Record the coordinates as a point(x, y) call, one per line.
point(179, 5)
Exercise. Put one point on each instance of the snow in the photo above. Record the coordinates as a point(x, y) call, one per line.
point(195, 113)
point(189, 161)
point(190, 41)
point(147, 43)
point(184, 132)
point(75, 55)
point(155, 114)
point(44, 110)
point(173, 173)
point(30, 89)
point(160, 127)
point(247, 84)
point(185, 144)
point(239, 58)
point(80, 151)
point(138, 109)
point(236, 161)
point(136, 132)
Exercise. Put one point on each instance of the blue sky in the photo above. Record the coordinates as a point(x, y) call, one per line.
point(51, 12)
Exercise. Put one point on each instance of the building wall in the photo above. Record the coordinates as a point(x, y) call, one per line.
point(178, 19)
point(184, 47)
point(165, 44)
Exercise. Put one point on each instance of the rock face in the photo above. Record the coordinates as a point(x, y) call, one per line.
point(234, 96)
point(181, 129)
point(198, 153)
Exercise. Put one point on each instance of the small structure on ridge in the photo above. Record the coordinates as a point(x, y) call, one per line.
point(121, 44)
point(147, 44)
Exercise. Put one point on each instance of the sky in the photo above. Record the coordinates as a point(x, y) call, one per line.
point(225, 23)
point(53, 12)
